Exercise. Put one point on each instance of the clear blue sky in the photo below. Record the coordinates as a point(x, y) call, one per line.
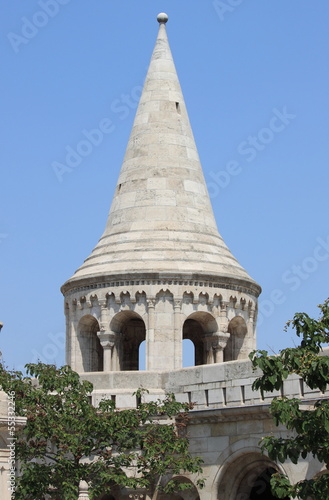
point(255, 77)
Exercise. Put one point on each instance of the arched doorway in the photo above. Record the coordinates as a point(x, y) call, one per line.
point(131, 332)
point(196, 328)
point(261, 489)
point(248, 478)
point(90, 346)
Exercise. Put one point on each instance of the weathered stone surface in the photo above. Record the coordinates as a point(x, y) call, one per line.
point(174, 199)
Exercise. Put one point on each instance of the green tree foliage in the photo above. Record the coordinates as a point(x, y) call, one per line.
point(309, 425)
point(66, 439)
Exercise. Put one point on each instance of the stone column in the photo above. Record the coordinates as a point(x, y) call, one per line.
point(68, 340)
point(178, 334)
point(150, 333)
point(222, 339)
point(223, 319)
point(103, 316)
point(107, 340)
point(74, 356)
point(251, 334)
point(251, 320)
point(215, 344)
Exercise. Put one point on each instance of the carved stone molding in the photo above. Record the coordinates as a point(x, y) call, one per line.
point(107, 339)
point(178, 304)
point(210, 282)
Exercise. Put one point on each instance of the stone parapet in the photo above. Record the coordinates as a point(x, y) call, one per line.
point(222, 385)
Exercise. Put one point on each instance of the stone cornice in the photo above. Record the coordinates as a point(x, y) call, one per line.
point(232, 413)
point(139, 279)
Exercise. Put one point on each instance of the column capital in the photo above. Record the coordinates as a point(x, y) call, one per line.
point(107, 339)
point(217, 340)
point(215, 344)
point(103, 303)
point(151, 303)
point(223, 305)
point(221, 340)
point(252, 313)
point(177, 303)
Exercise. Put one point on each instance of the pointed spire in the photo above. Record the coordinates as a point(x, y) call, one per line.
point(161, 219)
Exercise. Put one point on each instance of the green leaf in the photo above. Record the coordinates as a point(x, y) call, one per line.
point(308, 426)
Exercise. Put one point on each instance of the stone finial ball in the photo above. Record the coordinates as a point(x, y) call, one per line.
point(162, 17)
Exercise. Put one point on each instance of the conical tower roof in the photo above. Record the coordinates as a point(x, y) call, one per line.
point(161, 219)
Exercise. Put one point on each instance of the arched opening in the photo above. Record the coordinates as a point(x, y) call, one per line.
point(248, 477)
point(142, 355)
point(237, 329)
point(188, 353)
point(261, 489)
point(131, 332)
point(90, 346)
point(193, 331)
point(196, 328)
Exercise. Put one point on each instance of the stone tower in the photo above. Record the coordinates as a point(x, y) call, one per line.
point(160, 272)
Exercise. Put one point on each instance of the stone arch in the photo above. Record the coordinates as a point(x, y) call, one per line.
point(93, 299)
point(125, 298)
point(237, 329)
point(217, 300)
point(130, 332)
point(188, 297)
point(164, 299)
point(233, 301)
point(198, 327)
point(140, 297)
point(90, 346)
point(203, 299)
point(247, 477)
